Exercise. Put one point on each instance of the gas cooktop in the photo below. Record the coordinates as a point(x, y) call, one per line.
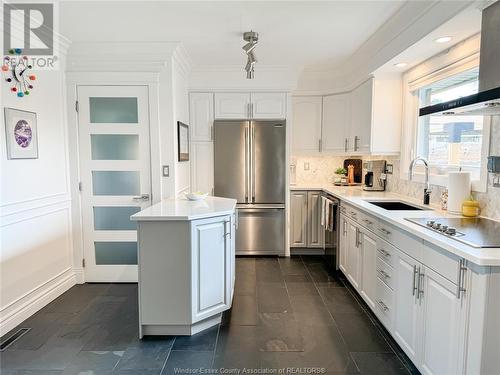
point(476, 232)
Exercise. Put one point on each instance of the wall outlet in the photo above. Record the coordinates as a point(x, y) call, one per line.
point(306, 166)
point(389, 169)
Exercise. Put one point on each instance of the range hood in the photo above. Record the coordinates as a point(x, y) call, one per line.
point(487, 101)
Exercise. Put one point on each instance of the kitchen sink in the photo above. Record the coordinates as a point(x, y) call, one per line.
point(397, 206)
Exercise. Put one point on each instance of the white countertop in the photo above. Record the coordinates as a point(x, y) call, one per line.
point(357, 197)
point(184, 209)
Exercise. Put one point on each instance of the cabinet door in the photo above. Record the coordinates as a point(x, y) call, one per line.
point(369, 267)
point(343, 244)
point(232, 105)
point(211, 266)
point(306, 124)
point(298, 219)
point(443, 326)
point(353, 255)
point(202, 166)
point(361, 118)
point(406, 329)
point(315, 232)
point(268, 105)
point(201, 115)
point(335, 126)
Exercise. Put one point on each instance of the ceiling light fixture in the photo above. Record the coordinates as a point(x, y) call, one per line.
point(443, 39)
point(400, 65)
point(252, 38)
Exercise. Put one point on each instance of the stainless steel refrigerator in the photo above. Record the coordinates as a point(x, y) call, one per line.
point(250, 166)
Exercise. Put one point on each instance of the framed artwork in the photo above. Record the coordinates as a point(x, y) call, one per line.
point(21, 134)
point(183, 141)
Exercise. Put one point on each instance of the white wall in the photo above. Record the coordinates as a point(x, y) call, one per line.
point(36, 243)
point(181, 113)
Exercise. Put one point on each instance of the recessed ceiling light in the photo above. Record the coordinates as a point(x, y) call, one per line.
point(443, 39)
point(400, 65)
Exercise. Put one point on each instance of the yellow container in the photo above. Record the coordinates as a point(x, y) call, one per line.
point(470, 208)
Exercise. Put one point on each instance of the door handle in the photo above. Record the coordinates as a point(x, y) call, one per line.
point(356, 140)
point(142, 197)
point(346, 144)
point(415, 273)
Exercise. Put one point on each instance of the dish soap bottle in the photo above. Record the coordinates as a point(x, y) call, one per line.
point(470, 207)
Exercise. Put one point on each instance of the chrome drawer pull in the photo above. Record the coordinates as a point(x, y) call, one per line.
point(369, 222)
point(383, 230)
point(383, 305)
point(384, 274)
point(385, 253)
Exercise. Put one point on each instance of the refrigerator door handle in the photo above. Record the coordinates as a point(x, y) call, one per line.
point(247, 158)
point(252, 142)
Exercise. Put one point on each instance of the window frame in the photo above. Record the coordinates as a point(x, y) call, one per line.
point(435, 69)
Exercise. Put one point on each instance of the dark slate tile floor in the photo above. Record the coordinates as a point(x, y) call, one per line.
point(287, 313)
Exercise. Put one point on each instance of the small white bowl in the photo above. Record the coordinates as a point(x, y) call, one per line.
point(196, 196)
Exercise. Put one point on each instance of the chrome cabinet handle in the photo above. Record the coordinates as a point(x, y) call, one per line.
point(346, 144)
point(420, 286)
point(383, 230)
point(356, 140)
point(142, 197)
point(369, 222)
point(415, 273)
point(461, 278)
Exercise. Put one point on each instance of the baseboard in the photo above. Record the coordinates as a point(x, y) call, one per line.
point(79, 275)
point(18, 311)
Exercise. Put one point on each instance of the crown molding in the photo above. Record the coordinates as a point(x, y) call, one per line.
point(123, 56)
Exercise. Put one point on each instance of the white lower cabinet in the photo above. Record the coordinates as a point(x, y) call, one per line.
point(298, 219)
point(353, 254)
point(430, 318)
point(343, 244)
point(418, 305)
point(305, 216)
point(315, 231)
point(406, 329)
point(368, 245)
point(442, 325)
point(212, 263)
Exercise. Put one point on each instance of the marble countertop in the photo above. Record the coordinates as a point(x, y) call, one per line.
point(357, 197)
point(183, 209)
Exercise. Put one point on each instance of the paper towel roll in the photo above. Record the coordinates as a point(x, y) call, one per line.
point(458, 190)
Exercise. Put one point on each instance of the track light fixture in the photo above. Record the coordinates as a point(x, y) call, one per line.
point(252, 38)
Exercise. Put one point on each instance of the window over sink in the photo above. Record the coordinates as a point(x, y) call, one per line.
point(451, 143)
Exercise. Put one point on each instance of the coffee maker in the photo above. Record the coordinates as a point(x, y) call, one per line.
point(375, 176)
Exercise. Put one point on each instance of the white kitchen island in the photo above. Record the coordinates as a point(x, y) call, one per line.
point(186, 264)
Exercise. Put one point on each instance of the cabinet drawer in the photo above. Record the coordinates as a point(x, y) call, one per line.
point(385, 273)
point(409, 244)
point(386, 251)
point(384, 303)
point(368, 221)
point(441, 261)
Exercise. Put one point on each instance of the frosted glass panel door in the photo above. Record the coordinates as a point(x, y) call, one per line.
point(114, 150)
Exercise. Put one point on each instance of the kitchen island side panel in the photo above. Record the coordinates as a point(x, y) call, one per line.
point(164, 272)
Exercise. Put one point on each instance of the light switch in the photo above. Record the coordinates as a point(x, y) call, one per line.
point(306, 166)
point(166, 171)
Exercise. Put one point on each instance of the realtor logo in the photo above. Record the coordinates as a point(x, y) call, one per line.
point(30, 27)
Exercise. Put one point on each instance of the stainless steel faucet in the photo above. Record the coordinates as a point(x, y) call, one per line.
point(427, 190)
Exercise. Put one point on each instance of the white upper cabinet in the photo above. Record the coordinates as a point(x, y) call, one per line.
point(306, 123)
point(201, 115)
point(268, 105)
point(366, 120)
point(359, 135)
point(336, 119)
point(232, 105)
